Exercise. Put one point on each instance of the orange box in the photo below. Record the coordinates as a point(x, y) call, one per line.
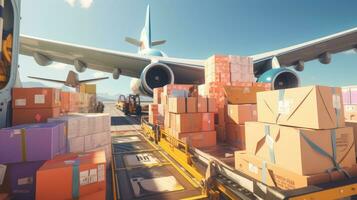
point(198, 139)
point(55, 177)
point(243, 94)
point(202, 104)
point(157, 95)
point(33, 115)
point(239, 114)
point(207, 122)
point(279, 144)
point(186, 122)
point(236, 136)
point(191, 104)
point(177, 104)
point(211, 105)
point(353, 124)
point(35, 98)
point(317, 107)
point(276, 176)
point(101, 195)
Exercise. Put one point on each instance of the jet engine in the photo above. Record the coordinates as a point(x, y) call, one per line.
point(154, 75)
point(280, 78)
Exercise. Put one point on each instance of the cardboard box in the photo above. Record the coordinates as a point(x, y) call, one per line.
point(198, 139)
point(353, 124)
point(101, 195)
point(207, 122)
point(186, 122)
point(88, 88)
point(276, 176)
point(202, 104)
point(274, 144)
point(32, 142)
point(33, 115)
point(236, 136)
point(176, 90)
point(177, 104)
point(290, 107)
point(20, 179)
point(35, 98)
point(55, 177)
point(76, 144)
point(350, 112)
point(239, 114)
point(157, 95)
point(244, 93)
point(77, 124)
point(191, 104)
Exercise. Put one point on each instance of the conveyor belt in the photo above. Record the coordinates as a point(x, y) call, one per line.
point(142, 170)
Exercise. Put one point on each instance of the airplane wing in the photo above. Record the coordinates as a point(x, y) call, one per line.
point(314, 49)
point(185, 70)
point(47, 79)
point(92, 80)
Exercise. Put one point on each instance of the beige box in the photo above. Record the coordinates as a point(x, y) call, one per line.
point(295, 149)
point(239, 114)
point(177, 104)
point(317, 107)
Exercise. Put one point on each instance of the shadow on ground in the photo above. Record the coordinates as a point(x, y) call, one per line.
point(122, 120)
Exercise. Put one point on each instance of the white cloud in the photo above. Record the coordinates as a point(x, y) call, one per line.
point(98, 74)
point(71, 2)
point(352, 51)
point(86, 3)
point(58, 66)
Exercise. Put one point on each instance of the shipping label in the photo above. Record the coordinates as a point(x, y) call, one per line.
point(101, 173)
point(84, 177)
point(350, 108)
point(20, 102)
point(25, 181)
point(284, 107)
point(2, 173)
point(39, 99)
point(253, 168)
point(93, 175)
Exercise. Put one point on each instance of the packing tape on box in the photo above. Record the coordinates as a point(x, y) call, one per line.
point(264, 172)
point(270, 142)
point(23, 145)
point(75, 179)
point(322, 152)
point(281, 104)
point(336, 102)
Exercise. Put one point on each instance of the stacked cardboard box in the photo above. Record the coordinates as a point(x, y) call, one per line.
point(87, 132)
point(153, 113)
point(349, 94)
point(34, 105)
point(23, 149)
point(69, 102)
point(296, 129)
point(73, 176)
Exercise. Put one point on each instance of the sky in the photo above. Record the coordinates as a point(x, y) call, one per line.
point(193, 29)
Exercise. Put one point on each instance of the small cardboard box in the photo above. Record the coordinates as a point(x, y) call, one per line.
point(202, 104)
point(55, 177)
point(236, 136)
point(275, 176)
point(295, 149)
point(239, 114)
point(186, 122)
point(177, 104)
point(198, 139)
point(191, 104)
point(317, 107)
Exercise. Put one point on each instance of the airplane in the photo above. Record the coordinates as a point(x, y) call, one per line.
point(72, 80)
point(151, 68)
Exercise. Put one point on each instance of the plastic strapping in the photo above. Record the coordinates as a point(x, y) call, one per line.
point(281, 99)
point(23, 145)
point(264, 172)
point(333, 140)
point(75, 179)
point(270, 143)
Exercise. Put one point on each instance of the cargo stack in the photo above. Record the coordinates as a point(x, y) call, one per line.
point(23, 150)
point(224, 71)
point(300, 139)
point(349, 94)
point(35, 105)
point(87, 132)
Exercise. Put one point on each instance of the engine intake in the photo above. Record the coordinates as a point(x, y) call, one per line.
point(156, 75)
point(280, 78)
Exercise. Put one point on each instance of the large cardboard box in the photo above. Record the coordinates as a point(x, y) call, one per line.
point(317, 107)
point(202, 104)
point(19, 179)
point(35, 98)
point(33, 115)
point(298, 149)
point(275, 176)
point(236, 136)
point(239, 114)
point(76, 124)
point(71, 176)
point(186, 122)
point(353, 124)
point(198, 139)
point(177, 104)
point(245, 93)
point(32, 142)
point(191, 104)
